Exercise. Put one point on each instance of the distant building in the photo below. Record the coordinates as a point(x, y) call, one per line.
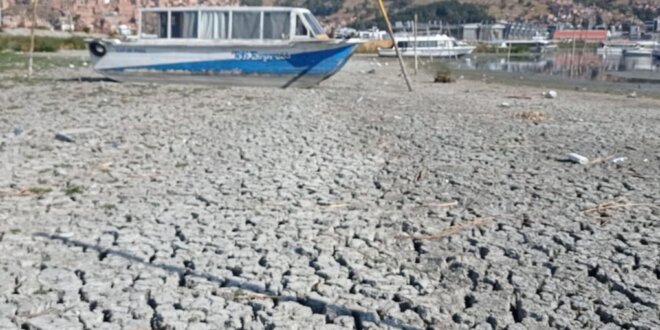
point(635, 32)
point(580, 35)
point(492, 32)
point(522, 31)
point(471, 32)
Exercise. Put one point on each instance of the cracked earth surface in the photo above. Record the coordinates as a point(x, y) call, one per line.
point(192, 207)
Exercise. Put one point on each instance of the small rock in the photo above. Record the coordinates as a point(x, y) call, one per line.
point(578, 159)
point(550, 94)
point(632, 95)
point(18, 131)
point(70, 135)
point(504, 105)
point(619, 159)
point(64, 137)
point(372, 71)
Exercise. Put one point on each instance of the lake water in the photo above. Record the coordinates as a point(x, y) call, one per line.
point(584, 70)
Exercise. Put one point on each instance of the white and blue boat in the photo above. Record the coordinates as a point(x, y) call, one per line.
point(231, 46)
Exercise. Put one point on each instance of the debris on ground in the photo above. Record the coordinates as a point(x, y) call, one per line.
point(550, 94)
point(578, 159)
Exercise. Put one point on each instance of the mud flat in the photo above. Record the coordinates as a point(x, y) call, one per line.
point(351, 205)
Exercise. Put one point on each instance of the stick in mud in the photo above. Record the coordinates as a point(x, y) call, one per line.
point(396, 48)
point(32, 26)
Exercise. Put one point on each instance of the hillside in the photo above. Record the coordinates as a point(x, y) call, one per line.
point(570, 11)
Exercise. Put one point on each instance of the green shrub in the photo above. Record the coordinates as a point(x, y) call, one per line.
point(41, 44)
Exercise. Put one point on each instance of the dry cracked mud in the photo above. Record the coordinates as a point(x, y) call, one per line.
point(350, 205)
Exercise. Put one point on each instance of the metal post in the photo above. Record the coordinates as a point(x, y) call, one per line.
point(415, 47)
point(396, 48)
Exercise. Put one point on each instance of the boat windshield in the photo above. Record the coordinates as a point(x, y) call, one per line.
point(314, 24)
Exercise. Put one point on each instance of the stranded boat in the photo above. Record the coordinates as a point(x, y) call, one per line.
point(249, 46)
point(430, 46)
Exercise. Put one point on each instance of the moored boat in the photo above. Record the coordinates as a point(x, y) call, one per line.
point(427, 46)
point(232, 46)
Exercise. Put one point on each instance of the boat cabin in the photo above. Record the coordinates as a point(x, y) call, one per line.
point(229, 23)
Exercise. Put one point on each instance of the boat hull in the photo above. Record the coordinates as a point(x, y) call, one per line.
point(447, 52)
point(637, 52)
point(301, 64)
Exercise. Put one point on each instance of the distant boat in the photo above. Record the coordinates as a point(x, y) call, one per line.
point(638, 52)
point(627, 48)
point(428, 46)
point(231, 46)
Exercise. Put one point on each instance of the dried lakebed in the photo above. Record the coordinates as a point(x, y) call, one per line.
point(352, 205)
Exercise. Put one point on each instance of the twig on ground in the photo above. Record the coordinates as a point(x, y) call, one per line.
point(519, 97)
point(44, 312)
point(420, 175)
point(534, 116)
point(447, 204)
point(451, 230)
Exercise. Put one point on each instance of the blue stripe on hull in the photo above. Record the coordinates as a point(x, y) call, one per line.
point(321, 63)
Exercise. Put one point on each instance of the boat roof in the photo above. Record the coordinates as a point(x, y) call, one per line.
point(225, 8)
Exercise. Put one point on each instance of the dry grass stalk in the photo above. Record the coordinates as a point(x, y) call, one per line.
point(534, 116)
point(618, 204)
point(26, 192)
point(336, 206)
point(600, 160)
point(451, 230)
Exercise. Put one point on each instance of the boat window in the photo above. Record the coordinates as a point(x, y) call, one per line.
point(314, 24)
point(427, 44)
point(402, 44)
point(213, 25)
point(301, 30)
point(245, 25)
point(154, 25)
point(184, 24)
point(276, 25)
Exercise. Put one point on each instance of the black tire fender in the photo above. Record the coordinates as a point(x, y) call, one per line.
point(97, 48)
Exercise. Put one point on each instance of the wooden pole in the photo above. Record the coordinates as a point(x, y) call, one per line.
point(34, 22)
point(508, 56)
point(415, 48)
point(396, 48)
